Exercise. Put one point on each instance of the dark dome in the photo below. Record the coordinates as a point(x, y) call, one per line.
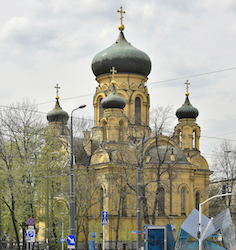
point(124, 57)
point(113, 100)
point(187, 110)
point(57, 114)
point(163, 154)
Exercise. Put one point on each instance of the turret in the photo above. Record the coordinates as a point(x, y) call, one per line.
point(187, 131)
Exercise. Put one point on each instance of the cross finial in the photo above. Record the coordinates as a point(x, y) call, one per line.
point(187, 84)
point(121, 26)
point(113, 71)
point(57, 87)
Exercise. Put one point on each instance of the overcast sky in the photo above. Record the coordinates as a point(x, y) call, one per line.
point(45, 42)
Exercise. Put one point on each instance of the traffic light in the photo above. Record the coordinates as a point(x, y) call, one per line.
point(101, 235)
point(198, 234)
point(223, 190)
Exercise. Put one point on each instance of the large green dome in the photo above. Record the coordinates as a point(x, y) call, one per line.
point(187, 110)
point(57, 114)
point(124, 57)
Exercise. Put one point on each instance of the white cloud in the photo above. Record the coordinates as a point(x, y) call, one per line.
point(54, 41)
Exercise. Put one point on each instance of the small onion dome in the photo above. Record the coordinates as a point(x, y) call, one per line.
point(125, 58)
point(57, 114)
point(113, 100)
point(187, 110)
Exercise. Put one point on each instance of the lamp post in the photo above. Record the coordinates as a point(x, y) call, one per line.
point(201, 233)
point(62, 233)
point(139, 242)
point(72, 200)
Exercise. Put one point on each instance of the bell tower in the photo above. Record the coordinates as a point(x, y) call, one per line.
point(187, 131)
point(133, 67)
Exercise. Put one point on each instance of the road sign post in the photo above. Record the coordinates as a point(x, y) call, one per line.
point(104, 222)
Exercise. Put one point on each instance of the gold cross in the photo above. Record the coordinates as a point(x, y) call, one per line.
point(121, 26)
point(113, 71)
point(187, 84)
point(57, 87)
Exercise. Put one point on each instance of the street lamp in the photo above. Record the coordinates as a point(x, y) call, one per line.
point(47, 228)
point(139, 242)
point(201, 234)
point(72, 201)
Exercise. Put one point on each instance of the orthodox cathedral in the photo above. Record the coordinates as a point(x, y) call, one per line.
point(173, 175)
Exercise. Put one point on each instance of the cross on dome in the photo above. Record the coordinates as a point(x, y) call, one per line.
point(57, 87)
point(113, 71)
point(121, 26)
point(187, 84)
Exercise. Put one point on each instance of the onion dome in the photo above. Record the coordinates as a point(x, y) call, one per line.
point(57, 114)
point(113, 100)
point(125, 58)
point(187, 110)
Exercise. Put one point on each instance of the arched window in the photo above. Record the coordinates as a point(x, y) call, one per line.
point(137, 110)
point(103, 125)
point(101, 200)
point(183, 201)
point(161, 202)
point(194, 139)
point(180, 138)
point(197, 200)
point(101, 111)
point(121, 130)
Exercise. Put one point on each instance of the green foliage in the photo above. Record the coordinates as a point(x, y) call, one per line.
point(95, 227)
point(26, 164)
point(126, 235)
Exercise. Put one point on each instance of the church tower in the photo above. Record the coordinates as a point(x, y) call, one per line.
point(133, 67)
point(187, 132)
point(113, 121)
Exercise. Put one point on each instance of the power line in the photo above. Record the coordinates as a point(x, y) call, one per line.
point(189, 76)
point(167, 80)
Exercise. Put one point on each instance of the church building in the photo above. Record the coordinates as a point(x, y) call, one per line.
point(174, 176)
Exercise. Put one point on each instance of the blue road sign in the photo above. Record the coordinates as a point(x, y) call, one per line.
point(70, 239)
point(134, 232)
point(104, 218)
point(91, 245)
point(27, 237)
point(93, 235)
point(31, 233)
point(62, 240)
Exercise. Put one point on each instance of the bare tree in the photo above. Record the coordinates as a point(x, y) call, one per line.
point(156, 168)
point(224, 166)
